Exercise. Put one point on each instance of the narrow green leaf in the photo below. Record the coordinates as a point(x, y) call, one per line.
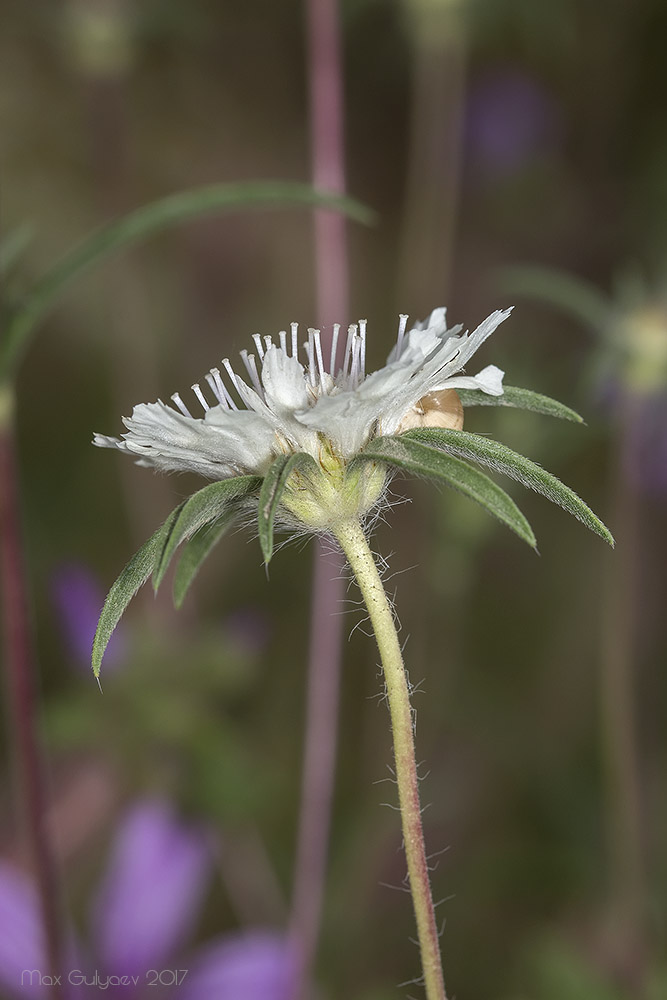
point(272, 490)
point(557, 288)
point(411, 455)
point(152, 219)
point(202, 507)
point(13, 246)
point(133, 576)
point(196, 550)
point(522, 399)
point(501, 458)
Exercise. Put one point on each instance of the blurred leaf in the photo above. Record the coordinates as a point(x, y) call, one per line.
point(410, 454)
point(271, 492)
point(13, 246)
point(133, 576)
point(195, 552)
point(498, 456)
point(147, 221)
point(557, 288)
point(521, 399)
point(201, 508)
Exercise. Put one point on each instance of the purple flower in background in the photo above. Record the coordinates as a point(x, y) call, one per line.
point(144, 914)
point(509, 119)
point(151, 892)
point(77, 598)
point(251, 966)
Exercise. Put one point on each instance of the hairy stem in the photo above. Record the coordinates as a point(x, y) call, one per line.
point(353, 542)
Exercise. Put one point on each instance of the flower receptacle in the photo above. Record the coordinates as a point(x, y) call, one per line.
point(334, 492)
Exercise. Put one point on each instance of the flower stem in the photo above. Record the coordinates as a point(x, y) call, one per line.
point(351, 538)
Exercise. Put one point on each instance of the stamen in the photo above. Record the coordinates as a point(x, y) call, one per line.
point(233, 377)
point(268, 341)
point(354, 368)
point(258, 343)
point(362, 349)
point(222, 389)
point(403, 322)
point(334, 347)
point(318, 352)
point(251, 366)
point(351, 333)
point(214, 389)
point(310, 351)
point(181, 405)
point(283, 340)
point(200, 396)
point(295, 343)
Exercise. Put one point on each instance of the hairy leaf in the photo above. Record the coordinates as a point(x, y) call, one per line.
point(501, 458)
point(133, 576)
point(413, 456)
point(202, 507)
point(196, 550)
point(522, 399)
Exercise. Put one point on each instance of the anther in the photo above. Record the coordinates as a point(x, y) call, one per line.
point(181, 405)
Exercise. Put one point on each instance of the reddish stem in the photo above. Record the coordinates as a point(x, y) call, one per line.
point(22, 701)
point(325, 649)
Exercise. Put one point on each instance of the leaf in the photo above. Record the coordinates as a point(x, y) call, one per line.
point(558, 288)
point(409, 454)
point(501, 458)
point(202, 507)
point(522, 399)
point(133, 576)
point(13, 246)
point(152, 219)
point(196, 550)
point(272, 490)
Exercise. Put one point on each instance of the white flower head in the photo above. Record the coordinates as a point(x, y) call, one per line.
point(281, 406)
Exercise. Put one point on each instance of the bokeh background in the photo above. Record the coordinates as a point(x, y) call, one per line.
point(514, 152)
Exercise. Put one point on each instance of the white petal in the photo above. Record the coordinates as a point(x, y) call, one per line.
point(226, 443)
point(473, 341)
point(284, 381)
point(489, 380)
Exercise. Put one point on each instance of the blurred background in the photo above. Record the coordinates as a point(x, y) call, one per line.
point(515, 153)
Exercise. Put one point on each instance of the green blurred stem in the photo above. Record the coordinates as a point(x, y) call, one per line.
point(21, 694)
point(352, 540)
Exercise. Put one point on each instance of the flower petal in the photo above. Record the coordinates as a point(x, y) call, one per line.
point(489, 380)
point(152, 890)
point(257, 965)
point(21, 936)
point(284, 381)
point(225, 443)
